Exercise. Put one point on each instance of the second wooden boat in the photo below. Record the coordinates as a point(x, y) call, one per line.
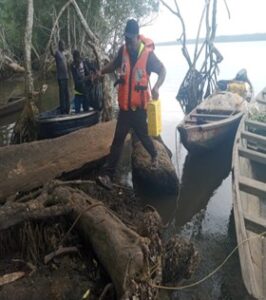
point(212, 121)
point(13, 105)
point(249, 202)
point(16, 103)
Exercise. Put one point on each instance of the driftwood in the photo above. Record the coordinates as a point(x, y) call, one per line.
point(11, 64)
point(159, 180)
point(126, 240)
point(8, 278)
point(122, 251)
point(27, 166)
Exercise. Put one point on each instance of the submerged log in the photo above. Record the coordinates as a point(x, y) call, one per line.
point(150, 180)
point(28, 166)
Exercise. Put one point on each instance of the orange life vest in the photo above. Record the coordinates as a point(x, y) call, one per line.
point(134, 91)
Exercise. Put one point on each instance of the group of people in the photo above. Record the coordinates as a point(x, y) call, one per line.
point(82, 74)
point(135, 61)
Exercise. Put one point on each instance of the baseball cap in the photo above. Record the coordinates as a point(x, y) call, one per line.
point(131, 29)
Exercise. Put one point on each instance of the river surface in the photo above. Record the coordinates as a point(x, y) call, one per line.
point(203, 211)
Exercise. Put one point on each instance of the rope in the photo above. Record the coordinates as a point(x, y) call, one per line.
point(211, 273)
point(177, 151)
point(77, 219)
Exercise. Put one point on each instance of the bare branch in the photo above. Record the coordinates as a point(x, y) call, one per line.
point(183, 36)
point(227, 8)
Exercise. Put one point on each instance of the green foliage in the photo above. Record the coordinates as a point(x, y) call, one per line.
point(260, 117)
point(13, 20)
point(105, 17)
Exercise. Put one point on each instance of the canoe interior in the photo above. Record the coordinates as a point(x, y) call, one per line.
point(211, 122)
point(203, 116)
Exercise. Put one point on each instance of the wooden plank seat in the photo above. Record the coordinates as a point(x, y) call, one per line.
point(253, 137)
point(252, 155)
point(255, 224)
point(215, 111)
point(208, 116)
point(252, 186)
point(255, 124)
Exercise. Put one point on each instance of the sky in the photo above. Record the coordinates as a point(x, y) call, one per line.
point(246, 16)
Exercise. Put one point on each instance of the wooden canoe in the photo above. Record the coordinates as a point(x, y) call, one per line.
point(212, 121)
point(13, 105)
point(51, 124)
point(16, 103)
point(249, 203)
point(261, 98)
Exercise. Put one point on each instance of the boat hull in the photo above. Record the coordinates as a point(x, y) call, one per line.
point(212, 121)
point(202, 138)
point(51, 125)
point(14, 105)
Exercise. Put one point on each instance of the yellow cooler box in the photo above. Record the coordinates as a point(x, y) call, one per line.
point(238, 87)
point(154, 118)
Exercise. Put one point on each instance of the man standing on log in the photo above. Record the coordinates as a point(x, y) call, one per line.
point(135, 61)
point(62, 77)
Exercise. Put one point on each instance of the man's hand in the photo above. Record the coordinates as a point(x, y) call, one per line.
point(97, 76)
point(155, 93)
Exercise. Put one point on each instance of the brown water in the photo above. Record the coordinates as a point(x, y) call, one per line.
point(203, 211)
point(16, 87)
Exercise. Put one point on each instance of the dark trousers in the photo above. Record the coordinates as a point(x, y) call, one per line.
point(63, 96)
point(81, 100)
point(136, 120)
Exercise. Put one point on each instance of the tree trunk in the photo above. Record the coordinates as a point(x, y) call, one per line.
point(27, 50)
point(25, 128)
point(68, 30)
point(120, 249)
point(30, 165)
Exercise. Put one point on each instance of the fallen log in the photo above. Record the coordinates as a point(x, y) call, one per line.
point(28, 166)
point(153, 180)
point(124, 254)
point(15, 67)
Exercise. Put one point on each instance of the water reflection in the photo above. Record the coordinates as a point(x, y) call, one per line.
point(204, 216)
point(202, 175)
point(46, 102)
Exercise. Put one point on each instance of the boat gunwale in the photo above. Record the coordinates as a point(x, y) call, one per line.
point(62, 118)
point(212, 124)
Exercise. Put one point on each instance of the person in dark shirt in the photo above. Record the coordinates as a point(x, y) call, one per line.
point(62, 77)
point(80, 74)
point(135, 61)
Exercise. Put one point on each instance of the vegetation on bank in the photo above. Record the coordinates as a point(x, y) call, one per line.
point(105, 18)
point(259, 116)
